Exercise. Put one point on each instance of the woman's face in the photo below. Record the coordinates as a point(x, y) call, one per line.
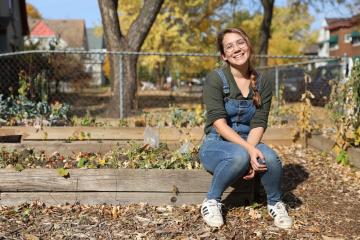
point(236, 50)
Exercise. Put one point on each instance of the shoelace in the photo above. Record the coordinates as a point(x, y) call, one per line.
point(281, 209)
point(218, 205)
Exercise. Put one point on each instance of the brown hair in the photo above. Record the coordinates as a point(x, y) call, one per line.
point(252, 72)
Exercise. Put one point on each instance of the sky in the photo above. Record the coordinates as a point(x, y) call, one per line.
point(89, 10)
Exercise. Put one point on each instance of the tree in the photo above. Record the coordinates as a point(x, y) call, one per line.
point(185, 26)
point(32, 11)
point(268, 6)
point(297, 6)
point(286, 39)
point(289, 39)
point(116, 40)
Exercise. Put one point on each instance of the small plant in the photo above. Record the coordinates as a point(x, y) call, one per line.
point(20, 110)
point(136, 155)
point(342, 158)
point(344, 105)
point(357, 137)
point(133, 155)
point(304, 123)
point(123, 123)
point(87, 120)
point(190, 118)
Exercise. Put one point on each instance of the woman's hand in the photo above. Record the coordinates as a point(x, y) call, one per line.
point(254, 155)
point(250, 174)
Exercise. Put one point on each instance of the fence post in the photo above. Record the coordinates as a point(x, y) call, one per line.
point(345, 66)
point(121, 86)
point(277, 87)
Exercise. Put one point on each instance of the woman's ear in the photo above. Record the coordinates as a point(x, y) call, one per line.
point(223, 57)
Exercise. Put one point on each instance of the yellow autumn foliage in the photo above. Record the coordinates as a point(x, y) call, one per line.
point(32, 11)
point(179, 27)
point(189, 26)
point(290, 33)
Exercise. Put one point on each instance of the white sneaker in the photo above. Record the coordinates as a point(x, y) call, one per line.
point(211, 213)
point(280, 215)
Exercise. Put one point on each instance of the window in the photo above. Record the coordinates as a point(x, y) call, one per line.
point(3, 42)
point(347, 38)
point(333, 41)
point(355, 38)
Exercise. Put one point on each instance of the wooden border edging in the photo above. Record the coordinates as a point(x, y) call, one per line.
point(114, 186)
point(325, 144)
point(166, 134)
point(110, 137)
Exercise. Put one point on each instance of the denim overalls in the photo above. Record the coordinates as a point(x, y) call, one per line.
point(229, 161)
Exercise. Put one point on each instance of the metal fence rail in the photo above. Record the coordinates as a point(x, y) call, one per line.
point(82, 79)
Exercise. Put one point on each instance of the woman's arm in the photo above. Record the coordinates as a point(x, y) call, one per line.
point(255, 135)
point(229, 134)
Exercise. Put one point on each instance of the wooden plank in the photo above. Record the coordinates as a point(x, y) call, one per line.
point(321, 143)
point(325, 144)
point(115, 133)
point(34, 180)
point(354, 155)
point(73, 148)
point(100, 133)
point(117, 198)
point(104, 180)
point(4, 131)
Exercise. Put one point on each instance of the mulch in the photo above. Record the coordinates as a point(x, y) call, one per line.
point(323, 197)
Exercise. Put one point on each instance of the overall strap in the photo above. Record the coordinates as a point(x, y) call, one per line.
point(226, 88)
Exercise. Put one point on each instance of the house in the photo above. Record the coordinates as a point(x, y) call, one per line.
point(13, 25)
point(62, 34)
point(95, 57)
point(340, 37)
point(312, 51)
point(58, 34)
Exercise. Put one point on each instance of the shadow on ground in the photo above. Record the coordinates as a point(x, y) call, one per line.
point(294, 175)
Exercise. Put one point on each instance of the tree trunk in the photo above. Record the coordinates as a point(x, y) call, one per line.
point(132, 42)
point(130, 83)
point(268, 6)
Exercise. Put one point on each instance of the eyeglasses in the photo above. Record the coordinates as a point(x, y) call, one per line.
point(230, 47)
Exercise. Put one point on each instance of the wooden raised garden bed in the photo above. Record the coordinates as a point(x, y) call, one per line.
point(325, 144)
point(113, 186)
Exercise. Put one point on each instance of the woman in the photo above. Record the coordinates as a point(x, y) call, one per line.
point(238, 101)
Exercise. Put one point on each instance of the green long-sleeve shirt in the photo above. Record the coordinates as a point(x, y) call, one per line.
point(213, 98)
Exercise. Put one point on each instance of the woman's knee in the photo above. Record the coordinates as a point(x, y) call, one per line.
point(273, 162)
point(271, 157)
point(239, 159)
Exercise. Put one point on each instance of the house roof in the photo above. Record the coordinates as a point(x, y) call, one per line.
point(72, 31)
point(41, 29)
point(94, 40)
point(336, 23)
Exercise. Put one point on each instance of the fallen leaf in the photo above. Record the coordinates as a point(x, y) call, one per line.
point(31, 237)
point(63, 172)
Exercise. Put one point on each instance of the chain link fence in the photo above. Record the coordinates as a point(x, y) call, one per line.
point(83, 79)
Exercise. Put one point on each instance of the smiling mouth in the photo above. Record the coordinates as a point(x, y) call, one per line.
point(239, 55)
